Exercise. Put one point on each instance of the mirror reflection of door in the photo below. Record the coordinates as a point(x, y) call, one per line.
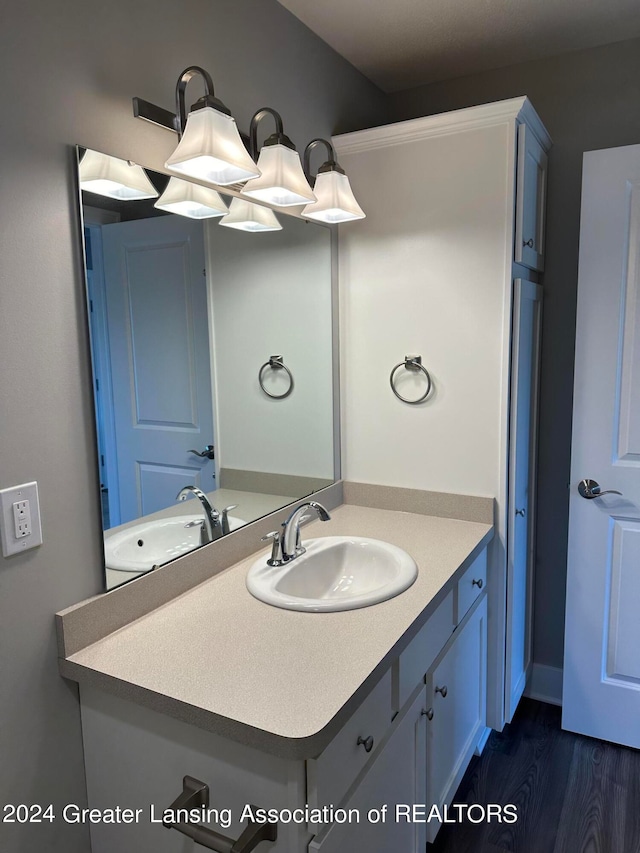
point(158, 405)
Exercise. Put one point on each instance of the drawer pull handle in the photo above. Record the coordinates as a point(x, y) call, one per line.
point(442, 691)
point(367, 742)
point(195, 794)
point(427, 713)
point(528, 242)
point(479, 583)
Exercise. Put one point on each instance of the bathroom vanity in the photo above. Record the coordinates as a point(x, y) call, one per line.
point(279, 709)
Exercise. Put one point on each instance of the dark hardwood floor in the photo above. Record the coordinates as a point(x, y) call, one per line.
point(574, 794)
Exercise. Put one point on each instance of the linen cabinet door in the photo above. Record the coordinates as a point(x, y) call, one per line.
point(531, 192)
point(456, 691)
point(395, 777)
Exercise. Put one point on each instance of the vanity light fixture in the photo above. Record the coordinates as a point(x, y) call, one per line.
point(246, 216)
point(115, 178)
point(282, 181)
point(335, 199)
point(192, 200)
point(210, 147)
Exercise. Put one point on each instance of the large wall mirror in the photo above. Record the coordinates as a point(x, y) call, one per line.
point(213, 368)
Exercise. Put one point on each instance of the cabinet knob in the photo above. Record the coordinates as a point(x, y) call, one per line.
point(521, 512)
point(442, 691)
point(427, 713)
point(479, 583)
point(528, 243)
point(367, 742)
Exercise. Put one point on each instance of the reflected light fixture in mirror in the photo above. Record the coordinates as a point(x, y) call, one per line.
point(282, 181)
point(210, 147)
point(246, 216)
point(192, 200)
point(114, 178)
point(335, 199)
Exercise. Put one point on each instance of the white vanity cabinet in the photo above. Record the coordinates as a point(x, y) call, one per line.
point(446, 266)
point(456, 697)
point(396, 777)
point(404, 747)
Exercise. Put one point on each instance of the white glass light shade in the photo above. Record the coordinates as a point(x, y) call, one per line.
point(115, 178)
point(211, 150)
point(336, 202)
point(192, 200)
point(282, 181)
point(246, 216)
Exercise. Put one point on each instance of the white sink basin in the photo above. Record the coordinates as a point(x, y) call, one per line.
point(336, 573)
point(153, 543)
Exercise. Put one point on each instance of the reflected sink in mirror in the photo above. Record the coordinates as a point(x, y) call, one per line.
point(335, 573)
point(152, 543)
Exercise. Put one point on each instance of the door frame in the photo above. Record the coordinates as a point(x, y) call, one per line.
point(101, 364)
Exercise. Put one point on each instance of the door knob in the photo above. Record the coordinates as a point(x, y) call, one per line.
point(207, 453)
point(590, 489)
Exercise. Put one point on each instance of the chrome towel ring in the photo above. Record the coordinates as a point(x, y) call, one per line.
point(413, 363)
point(275, 362)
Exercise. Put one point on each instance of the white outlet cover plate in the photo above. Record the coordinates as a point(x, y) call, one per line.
point(10, 544)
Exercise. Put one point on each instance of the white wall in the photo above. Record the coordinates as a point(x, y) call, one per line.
point(424, 274)
point(271, 295)
point(72, 68)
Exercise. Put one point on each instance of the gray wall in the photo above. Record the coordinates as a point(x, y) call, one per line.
point(70, 69)
point(588, 100)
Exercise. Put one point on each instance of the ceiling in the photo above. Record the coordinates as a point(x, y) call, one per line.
point(399, 44)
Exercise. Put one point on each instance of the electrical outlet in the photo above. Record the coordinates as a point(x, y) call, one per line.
point(20, 519)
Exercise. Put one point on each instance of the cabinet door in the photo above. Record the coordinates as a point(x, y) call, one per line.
point(396, 776)
point(531, 194)
point(527, 304)
point(456, 691)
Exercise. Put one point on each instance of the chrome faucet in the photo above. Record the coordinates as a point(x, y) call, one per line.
point(290, 543)
point(211, 526)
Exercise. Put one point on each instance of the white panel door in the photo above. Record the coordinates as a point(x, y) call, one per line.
point(527, 302)
point(601, 694)
point(160, 359)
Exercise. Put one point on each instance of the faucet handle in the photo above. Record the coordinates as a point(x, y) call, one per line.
point(225, 518)
point(276, 548)
point(201, 523)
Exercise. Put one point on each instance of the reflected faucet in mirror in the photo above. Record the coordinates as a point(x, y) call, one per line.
point(211, 524)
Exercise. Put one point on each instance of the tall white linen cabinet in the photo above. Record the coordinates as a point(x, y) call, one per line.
point(447, 266)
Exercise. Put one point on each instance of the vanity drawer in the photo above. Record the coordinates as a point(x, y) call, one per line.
point(470, 585)
point(421, 652)
point(330, 775)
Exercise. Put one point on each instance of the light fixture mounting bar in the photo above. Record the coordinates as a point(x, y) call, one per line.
point(165, 118)
point(155, 114)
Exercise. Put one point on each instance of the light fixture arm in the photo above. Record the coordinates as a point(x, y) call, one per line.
point(277, 138)
point(207, 100)
point(330, 165)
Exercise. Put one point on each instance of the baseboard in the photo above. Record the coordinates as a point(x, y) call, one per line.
point(482, 742)
point(545, 684)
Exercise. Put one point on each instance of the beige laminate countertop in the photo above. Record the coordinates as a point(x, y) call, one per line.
point(280, 680)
